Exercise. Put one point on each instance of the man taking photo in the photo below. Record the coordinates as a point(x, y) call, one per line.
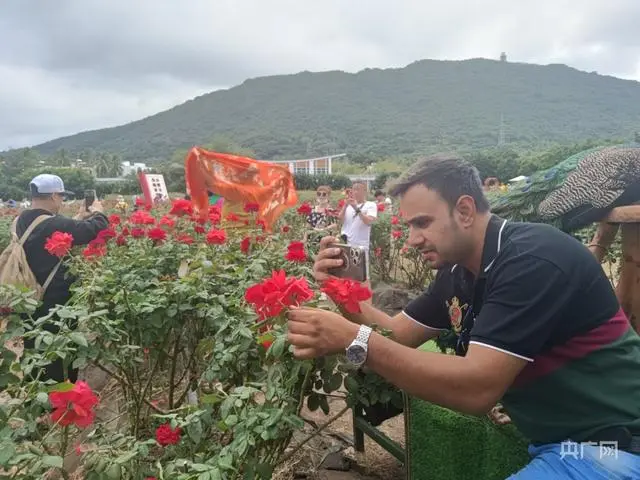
point(539, 328)
point(47, 197)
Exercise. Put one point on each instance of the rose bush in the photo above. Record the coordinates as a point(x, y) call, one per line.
point(187, 318)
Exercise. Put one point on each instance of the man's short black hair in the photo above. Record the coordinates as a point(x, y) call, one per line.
point(35, 195)
point(378, 193)
point(449, 175)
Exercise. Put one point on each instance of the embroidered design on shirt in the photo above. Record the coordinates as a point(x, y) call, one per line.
point(456, 313)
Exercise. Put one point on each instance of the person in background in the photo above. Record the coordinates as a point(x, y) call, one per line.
point(47, 196)
point(321, 218)
point(357, 215)
point(382, 200)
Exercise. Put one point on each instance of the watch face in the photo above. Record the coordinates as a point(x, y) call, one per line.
point(356, 354)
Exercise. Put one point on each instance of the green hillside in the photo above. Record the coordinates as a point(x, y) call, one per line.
point(426, 106)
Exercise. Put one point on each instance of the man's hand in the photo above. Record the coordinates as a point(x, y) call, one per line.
point(316, 333)
point(84, 214)
point(326, 259)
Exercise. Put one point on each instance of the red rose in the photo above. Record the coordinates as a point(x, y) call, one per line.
point(381, 207)
point(272, 295)
point(142, 217)
point(59, 244)
point(395, 220)
point(165, 435)
point(214, 218)
point(285, 229)
point(137, 232)
point(251, 207)
point(167, 222)
point(114, 219)
point(181, 207)
point(96, 248)
point(75, 406)
point(295, 252)
point(107, 234)
point(184, 238)
point(216, 237)
point(397, 234)
point(157, 234)
point(121, 240)
point(199, 229)
point(305, 209)
point(232, 217)
point(244, 245)
point(346, 292)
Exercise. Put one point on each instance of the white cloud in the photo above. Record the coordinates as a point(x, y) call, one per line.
point(68, 66)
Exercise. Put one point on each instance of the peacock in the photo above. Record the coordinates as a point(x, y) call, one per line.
point(576, 192)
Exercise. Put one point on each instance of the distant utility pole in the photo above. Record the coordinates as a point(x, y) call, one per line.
point(501, 139)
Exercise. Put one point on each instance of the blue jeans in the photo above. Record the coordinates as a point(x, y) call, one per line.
point(575, 461)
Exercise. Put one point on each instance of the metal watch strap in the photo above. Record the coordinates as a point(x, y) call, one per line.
point(363, 334)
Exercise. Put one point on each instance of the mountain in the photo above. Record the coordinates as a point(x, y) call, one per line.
point(425, 106)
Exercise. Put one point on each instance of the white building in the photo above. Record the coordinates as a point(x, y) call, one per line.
point(311, 166)
point(128, 168)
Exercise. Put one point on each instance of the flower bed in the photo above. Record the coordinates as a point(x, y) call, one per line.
point(187, 318)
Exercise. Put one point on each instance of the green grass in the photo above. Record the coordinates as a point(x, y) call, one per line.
point(446, 445)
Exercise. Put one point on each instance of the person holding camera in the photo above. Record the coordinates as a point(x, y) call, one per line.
point(357, 215)
point(47, 197)
point(538, 324)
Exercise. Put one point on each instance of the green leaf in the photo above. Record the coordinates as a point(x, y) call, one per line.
point(313, 402)
point(210, 399)
point(7, 450)
point(42, 398)
point(52, 461)
point(7, 379)
point(264, 470)
point(351, 384)
point(324, 404)
point(79, 339)
point(194, 431)
point(61, 387)
point(277, 348)
point(334, 383)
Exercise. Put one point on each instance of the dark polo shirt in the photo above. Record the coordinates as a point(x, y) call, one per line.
point(542, 296)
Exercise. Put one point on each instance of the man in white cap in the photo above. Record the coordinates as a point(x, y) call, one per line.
point(47, 196)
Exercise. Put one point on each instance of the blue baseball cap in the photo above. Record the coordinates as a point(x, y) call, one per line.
point(47, 183)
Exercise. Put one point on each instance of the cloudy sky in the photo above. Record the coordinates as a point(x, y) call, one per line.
point(73, 65)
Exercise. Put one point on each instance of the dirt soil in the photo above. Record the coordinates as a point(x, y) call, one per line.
point(374, 463)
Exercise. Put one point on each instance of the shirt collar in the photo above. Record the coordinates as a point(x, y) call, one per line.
point(492, 244)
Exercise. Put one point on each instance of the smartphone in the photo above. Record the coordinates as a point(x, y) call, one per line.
point(355, 262)
point(89, 198)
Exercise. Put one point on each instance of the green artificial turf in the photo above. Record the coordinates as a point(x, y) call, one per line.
point(446, 445)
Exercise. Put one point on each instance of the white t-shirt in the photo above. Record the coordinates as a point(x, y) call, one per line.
point(354, 228)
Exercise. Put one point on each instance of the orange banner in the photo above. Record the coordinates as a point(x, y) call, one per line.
point(240, 180)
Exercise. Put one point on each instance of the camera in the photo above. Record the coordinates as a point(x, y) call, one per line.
point(354, 262)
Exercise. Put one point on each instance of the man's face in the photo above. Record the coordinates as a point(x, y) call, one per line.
point(359, 192)
point(439, 233)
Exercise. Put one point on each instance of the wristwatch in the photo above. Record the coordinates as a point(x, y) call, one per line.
point(359, 348)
